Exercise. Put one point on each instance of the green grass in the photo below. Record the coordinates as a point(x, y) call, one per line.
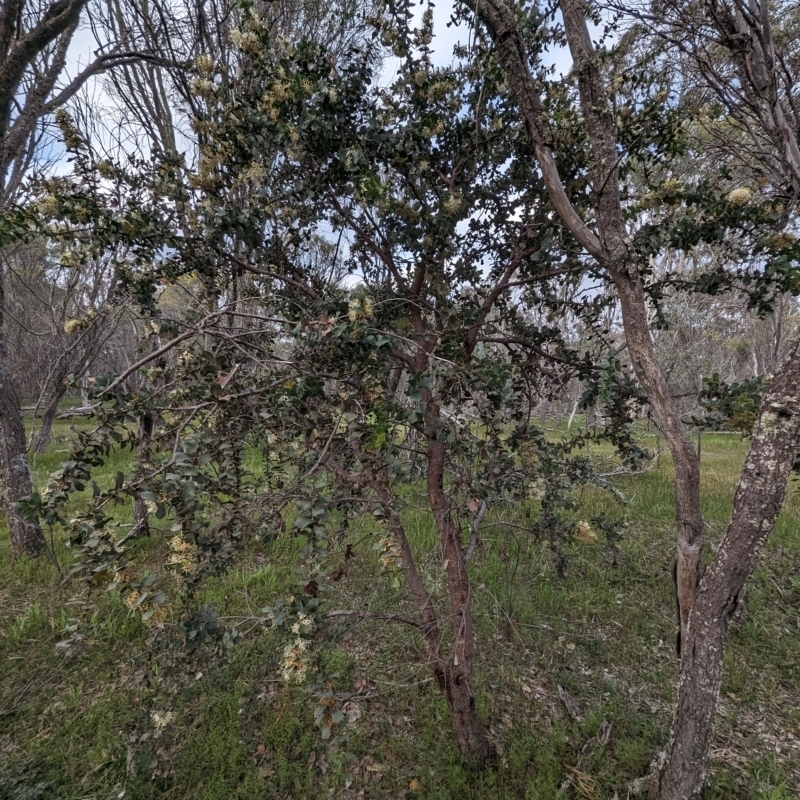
point(79, 723)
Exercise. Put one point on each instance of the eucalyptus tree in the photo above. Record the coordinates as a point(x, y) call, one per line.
point(619, 117)
point(419, 372)
point(741, 60)
point(745, 62)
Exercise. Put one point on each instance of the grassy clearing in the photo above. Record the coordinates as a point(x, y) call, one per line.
point(81, 725)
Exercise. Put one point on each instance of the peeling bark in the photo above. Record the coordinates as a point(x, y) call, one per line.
point(757, 503)
point(453, 675)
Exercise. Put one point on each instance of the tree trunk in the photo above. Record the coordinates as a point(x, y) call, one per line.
point(50, 411)
point(688, 516)
point(145, 437)
point(758, 501)
point(81, 352)
point(26, 536)
point(454, 675)
point(457, 681)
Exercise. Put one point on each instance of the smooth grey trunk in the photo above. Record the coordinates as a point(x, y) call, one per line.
point(759, 497)
point(48, 417)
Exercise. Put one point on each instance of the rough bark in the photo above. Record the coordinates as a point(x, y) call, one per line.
point(26, 536)
point(758, 501)
point(609, 246)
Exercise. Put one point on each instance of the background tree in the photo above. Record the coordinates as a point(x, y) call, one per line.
point(35, 40)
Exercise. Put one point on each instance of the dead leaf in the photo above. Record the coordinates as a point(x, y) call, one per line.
point(224, 380)
point(352, 710)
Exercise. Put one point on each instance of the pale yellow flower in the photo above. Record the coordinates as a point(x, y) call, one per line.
point(202, 87)
point(390, 557)
point(360, 308)
point(739, 196)
point(295, 663)
point(161, 719)
point(48, 206)
point(204, 64)
point(182, 554)
point(453, 203)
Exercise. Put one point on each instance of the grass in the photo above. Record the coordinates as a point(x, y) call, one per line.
point(78, 722)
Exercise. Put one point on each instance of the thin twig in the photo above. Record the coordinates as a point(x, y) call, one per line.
point(473, 539)
point(376, 615)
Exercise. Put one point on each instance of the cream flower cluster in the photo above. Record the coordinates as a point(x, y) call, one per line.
point(246, 41)
point(584, 533)
point(739, 196)
point(390, 557)
point(296, 661)
point(360, 308)
point(182, 554)
point(162, 719)
point(453, 203)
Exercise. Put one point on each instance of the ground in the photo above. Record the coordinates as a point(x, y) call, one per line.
point(111, 716)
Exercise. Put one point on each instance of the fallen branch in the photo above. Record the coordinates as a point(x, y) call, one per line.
point(376, 615)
